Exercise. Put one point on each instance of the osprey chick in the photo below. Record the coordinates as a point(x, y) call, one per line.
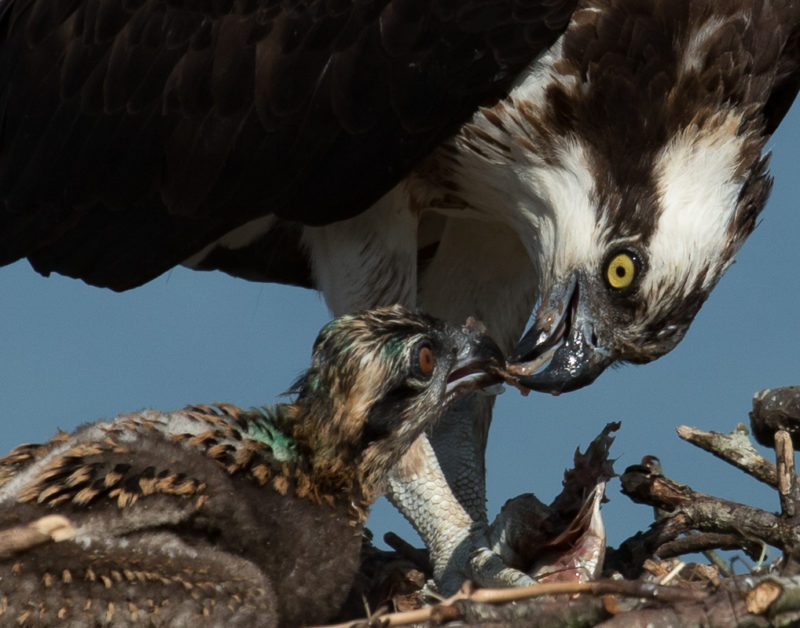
point(223, 515)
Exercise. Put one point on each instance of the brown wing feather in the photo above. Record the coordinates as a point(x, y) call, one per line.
point(135, 133)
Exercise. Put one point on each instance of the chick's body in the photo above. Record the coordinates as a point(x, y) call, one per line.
point(223, 515)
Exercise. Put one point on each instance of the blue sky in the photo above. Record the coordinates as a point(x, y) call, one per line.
point(70, 354)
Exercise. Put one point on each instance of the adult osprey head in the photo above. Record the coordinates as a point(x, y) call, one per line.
point(633, 155)
point(613, 172)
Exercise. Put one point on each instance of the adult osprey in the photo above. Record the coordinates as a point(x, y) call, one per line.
point(612, 174)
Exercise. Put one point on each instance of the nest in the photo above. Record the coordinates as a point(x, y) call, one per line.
point(646, 581)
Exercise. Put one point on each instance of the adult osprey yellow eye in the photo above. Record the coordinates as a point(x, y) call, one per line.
point(621, 270)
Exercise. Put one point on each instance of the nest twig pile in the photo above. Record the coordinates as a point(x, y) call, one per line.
point(643, 582)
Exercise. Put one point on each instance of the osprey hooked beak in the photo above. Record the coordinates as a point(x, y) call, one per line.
point(477, 361)
point(564, 333)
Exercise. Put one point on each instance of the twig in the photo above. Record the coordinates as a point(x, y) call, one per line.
point(789, 498)
point(672, 573)
point(416, 555)
point(735, 448)
point(784, 458)
point(706, 513)
point(705, 541)
point(626, 588)
point(629, 557)
point(723, 567)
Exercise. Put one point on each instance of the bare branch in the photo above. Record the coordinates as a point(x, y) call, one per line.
point(735, 448)
point(706, 513)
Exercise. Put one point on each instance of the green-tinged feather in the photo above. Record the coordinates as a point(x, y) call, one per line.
point(267, 429)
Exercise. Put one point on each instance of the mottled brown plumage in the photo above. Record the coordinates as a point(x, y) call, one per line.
point(223, 515)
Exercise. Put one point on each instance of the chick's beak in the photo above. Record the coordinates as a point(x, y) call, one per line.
point(478, 360)
point(564, 333)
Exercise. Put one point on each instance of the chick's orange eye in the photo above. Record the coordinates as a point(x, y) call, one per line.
point(425, 360)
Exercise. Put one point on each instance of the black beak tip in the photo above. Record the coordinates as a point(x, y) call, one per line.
point(527, 348)
point(574, 365)
point(555, 381)
point(492, 353)
point(481, 345)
